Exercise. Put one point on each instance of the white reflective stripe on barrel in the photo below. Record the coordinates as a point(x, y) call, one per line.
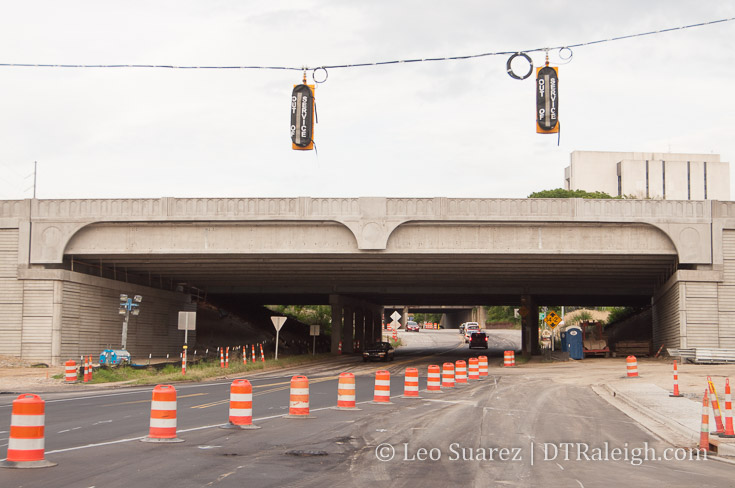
point(163, 423)
point(27, 420)
point(161, 405)
point(25, 444)
point(241, 397)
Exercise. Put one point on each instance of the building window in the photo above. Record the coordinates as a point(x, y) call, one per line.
point(663, 177)
point(705, 180)
point(647, 179)
point(689, 181)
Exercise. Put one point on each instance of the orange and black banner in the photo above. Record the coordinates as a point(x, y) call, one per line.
point(302, 117)
point(547, 100)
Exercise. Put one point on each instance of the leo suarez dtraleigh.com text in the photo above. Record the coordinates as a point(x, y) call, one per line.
point(634, 454)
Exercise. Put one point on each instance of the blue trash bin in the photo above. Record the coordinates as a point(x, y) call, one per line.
point(574, 344)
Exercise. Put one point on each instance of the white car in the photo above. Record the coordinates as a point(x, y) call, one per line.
point(469, 328)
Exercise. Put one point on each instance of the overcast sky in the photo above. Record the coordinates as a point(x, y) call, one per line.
point(456, 128)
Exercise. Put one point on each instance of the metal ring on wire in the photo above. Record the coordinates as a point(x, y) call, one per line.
point(509, 69)
point(563, 50)
point(314, 72)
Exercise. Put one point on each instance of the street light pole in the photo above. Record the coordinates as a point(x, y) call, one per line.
point(128, 306)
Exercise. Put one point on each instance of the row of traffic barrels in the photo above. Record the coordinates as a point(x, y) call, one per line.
point(26, 447)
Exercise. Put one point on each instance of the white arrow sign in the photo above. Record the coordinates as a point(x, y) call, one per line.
point(278, 323)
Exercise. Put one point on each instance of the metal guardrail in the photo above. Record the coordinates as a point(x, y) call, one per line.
point(704, 355)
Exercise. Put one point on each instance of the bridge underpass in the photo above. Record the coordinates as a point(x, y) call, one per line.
point(358, 287)
point(72, 258)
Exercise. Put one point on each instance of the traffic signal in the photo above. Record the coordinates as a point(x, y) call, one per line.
point(547, 100)
point(302, 117)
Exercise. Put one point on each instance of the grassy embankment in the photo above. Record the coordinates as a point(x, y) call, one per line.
point(199, 371)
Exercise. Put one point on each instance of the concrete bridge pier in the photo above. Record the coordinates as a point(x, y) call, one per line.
point(529, 327)
point(353, 320)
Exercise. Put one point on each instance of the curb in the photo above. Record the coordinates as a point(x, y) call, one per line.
point(660, 425)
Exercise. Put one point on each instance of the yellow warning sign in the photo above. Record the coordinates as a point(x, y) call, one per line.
point(552, 319)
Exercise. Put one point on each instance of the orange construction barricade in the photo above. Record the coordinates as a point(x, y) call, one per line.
point(631, 365)
point(241, 406)
point(26, 441)
point(433, 379)
point(382, 387)
point(473, 369)
point(411, 383)
point(448, 375)
point(163, 415)
point(298, 407)
point(460, 372)
point(346, 392)
point(482, 363)
point(70, 371)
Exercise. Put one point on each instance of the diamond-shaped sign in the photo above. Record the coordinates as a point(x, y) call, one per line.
point(552, 319)
point(395, 316)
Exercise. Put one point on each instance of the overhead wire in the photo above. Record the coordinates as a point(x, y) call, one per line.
point(368, 64)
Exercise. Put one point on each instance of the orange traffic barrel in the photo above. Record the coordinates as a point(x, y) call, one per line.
point(382, 387)
point(448, 375)
point(482, 366)
point(473, 369)
point(241, 406)
point(346, 392)
point(298, 406)
point(411, 383)
point(26, 442)
point(70, 371)
point(163, 415)
point(509, 359)
point(433, 379)
point(631, 365)
point(460, 372)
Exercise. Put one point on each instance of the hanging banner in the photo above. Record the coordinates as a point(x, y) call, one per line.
point(302, 117)
point(547, 100)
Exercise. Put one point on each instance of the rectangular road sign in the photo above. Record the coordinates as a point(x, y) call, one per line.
point(314, 330)
point(187, 320)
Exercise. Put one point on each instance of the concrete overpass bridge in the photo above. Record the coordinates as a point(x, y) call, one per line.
point(63, 263)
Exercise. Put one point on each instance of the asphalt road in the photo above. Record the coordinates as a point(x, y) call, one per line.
point(505, 430)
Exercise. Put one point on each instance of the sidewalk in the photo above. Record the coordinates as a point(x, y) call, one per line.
point(676, 420)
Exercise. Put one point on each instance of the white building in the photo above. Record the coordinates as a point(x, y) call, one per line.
point(663, 176)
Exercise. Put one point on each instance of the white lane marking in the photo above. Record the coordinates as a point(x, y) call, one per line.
point(103, 422)
point(121, 441)
point(457, 402)
point(560, 466)
point(580, 483)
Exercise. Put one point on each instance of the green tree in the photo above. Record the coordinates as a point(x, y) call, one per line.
point(502, 314)
point(307, 314)
point(561, 193)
